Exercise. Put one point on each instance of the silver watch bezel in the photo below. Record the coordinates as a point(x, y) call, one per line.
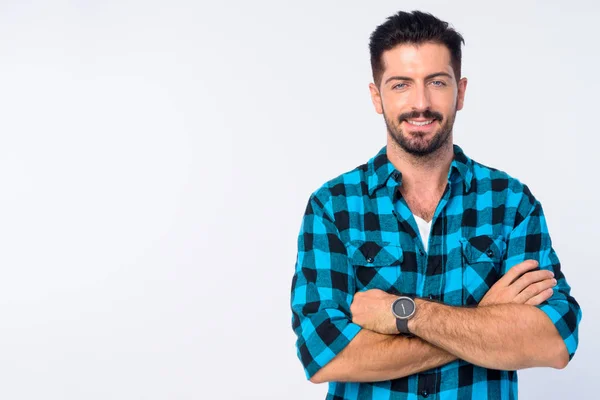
point(413, 311)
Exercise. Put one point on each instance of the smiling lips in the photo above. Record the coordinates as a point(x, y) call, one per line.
point(420, 125)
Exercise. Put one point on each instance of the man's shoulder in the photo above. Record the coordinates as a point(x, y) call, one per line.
point(351, 182)
point(498, 180)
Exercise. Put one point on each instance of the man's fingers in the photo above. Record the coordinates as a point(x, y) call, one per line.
point(516, 271)
point(530, 278)
point(540, 298)
point(534, 290)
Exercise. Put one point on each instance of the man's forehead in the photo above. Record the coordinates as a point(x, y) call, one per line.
point(423, 58)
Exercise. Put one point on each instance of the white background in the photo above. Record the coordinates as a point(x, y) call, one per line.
point(156, 159)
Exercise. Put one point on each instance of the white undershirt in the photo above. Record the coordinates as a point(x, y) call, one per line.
point(424, 229)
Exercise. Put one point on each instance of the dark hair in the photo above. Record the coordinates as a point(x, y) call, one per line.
point(413, 28)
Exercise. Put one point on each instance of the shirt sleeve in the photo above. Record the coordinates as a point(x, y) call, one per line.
point(322, 290)
point(530, 240)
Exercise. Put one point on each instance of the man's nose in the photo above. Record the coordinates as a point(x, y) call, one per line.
point(420, 99)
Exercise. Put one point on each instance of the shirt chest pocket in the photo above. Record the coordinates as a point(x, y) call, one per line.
point(376, 265)
point(482, 262)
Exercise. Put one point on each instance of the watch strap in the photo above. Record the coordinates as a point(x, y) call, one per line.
point(402, 325)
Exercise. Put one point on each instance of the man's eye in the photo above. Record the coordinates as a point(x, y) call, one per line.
point(399, 86)
point(438, 83)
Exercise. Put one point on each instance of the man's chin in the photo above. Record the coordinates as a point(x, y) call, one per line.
point(419, 148)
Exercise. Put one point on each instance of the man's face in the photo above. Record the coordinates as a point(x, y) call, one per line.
point(419, 96)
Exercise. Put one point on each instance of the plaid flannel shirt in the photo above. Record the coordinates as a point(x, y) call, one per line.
point(358, 234)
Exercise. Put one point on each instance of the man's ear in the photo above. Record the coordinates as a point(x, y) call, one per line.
point(376, 98)
point(462, 88)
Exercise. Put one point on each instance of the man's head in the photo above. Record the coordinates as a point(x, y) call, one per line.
point(416, 62)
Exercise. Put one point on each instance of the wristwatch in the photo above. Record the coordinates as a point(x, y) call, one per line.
point(403, 309)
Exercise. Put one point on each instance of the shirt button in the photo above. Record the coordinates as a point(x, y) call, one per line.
point(425, 393)
point(369, 260)
point(421, 252)
point(430, 297)
point(490, 253)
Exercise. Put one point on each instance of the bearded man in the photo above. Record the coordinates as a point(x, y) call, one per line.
point(422, 273)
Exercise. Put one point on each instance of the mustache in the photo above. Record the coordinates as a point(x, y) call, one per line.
point(427, 114)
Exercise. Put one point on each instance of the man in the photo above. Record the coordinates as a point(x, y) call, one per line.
point(422, 273)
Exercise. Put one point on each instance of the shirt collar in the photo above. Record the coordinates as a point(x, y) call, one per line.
point(380, 169)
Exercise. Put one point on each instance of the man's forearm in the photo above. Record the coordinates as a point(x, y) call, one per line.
point(372, 357)
point(504, 336)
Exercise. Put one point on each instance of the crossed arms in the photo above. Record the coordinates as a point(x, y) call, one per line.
point(504, 332)
point(526, 319)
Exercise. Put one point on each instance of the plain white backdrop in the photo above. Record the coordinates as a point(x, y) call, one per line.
point(156, 159)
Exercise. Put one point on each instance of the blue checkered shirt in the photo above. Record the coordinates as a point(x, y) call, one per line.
point(358, 233)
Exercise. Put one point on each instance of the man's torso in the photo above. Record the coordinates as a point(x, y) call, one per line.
point(467, 244)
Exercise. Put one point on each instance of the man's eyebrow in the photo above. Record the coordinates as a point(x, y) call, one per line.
point(406, 78)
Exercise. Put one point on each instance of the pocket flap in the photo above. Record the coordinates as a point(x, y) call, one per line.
point(483, 248)
point(374, 254)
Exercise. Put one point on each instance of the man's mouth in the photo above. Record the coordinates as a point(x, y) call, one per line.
point(420, 122)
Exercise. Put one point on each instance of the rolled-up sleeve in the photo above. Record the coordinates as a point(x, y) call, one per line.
point(530, 240)
point(322, 290)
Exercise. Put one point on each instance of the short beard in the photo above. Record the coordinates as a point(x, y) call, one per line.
point(420, 149)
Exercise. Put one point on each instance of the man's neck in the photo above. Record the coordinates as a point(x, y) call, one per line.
point(426, 174)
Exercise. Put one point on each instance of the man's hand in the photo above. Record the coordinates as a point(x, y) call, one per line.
point(521, 287)
point(372, 309)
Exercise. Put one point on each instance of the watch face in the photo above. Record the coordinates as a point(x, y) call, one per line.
point(404, 307)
